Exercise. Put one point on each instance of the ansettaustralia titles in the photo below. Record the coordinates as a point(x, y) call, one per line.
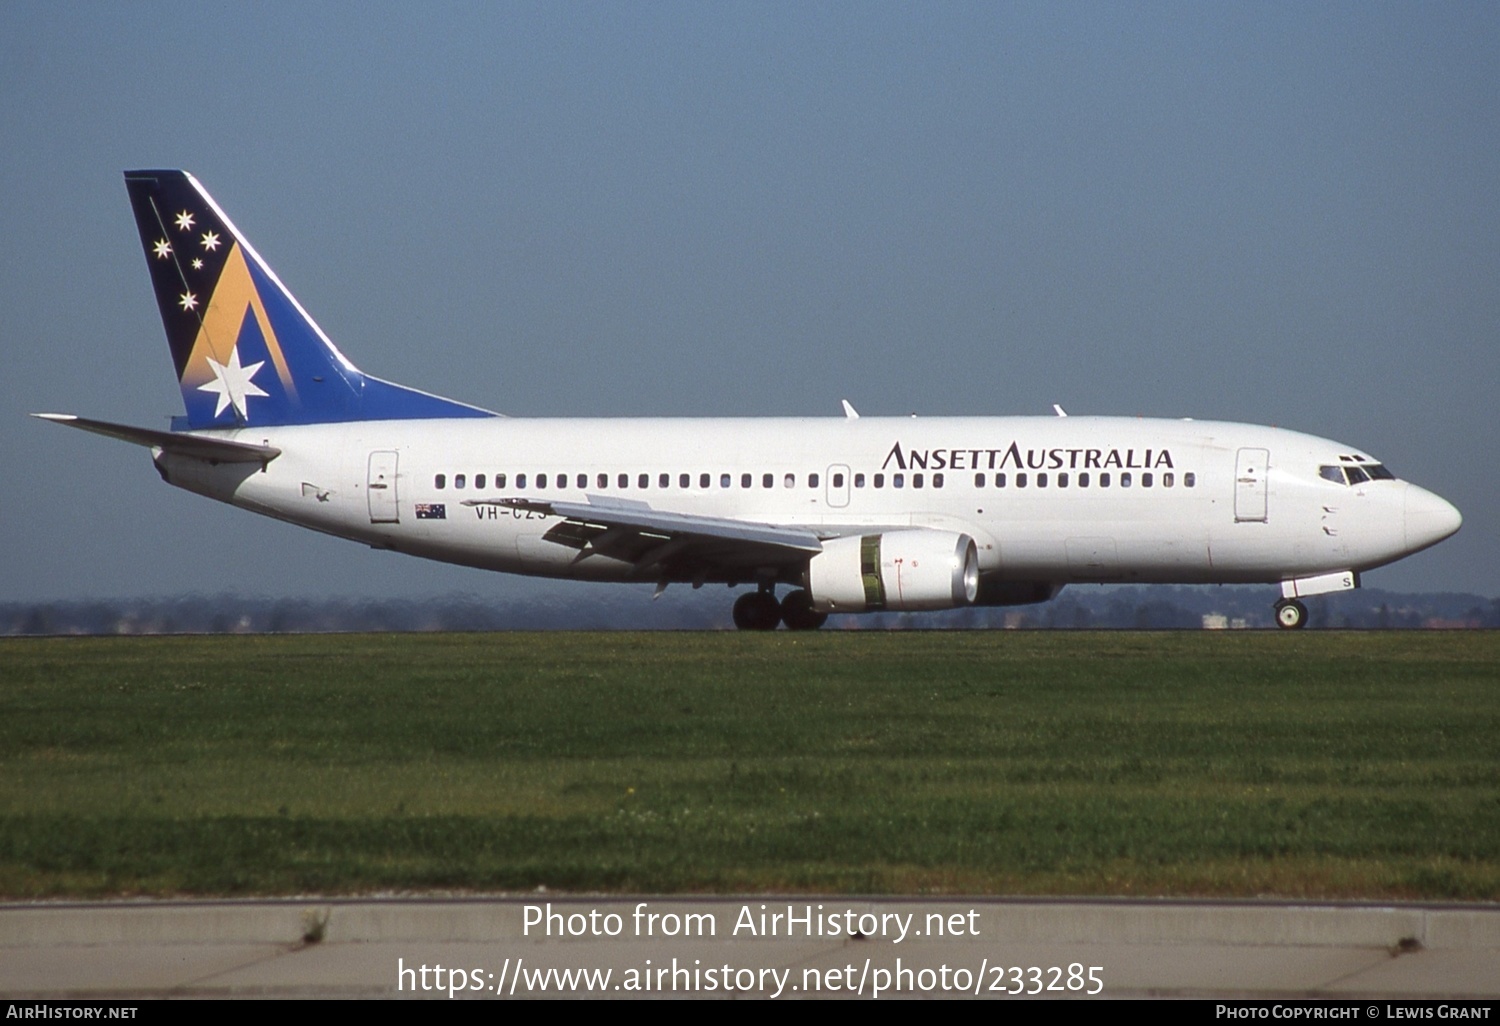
point(749, 921)
point(1015, 458)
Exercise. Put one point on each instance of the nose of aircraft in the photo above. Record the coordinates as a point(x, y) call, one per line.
point(1429, 518)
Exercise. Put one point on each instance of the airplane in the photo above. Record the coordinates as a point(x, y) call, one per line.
point(853, 514)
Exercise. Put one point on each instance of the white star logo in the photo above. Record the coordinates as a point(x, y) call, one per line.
point(188, 301)
point(233, 383)
point(197, 265)
point(184, 220)
point(162, 248)
point(210, 241)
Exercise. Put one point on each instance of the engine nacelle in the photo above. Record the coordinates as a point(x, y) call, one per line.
point(915, 569)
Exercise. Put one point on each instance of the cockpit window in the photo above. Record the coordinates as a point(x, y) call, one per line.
point(1353, 475)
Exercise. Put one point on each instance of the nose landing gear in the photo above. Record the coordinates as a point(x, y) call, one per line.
point(1291, 614)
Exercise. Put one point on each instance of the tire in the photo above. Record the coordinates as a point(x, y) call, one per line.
point(798, 614)
point(1291, 615)
point(757, 611)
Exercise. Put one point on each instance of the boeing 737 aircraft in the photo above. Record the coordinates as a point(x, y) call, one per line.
point(853, 513)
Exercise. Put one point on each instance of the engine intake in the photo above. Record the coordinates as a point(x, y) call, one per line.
point(902, 570)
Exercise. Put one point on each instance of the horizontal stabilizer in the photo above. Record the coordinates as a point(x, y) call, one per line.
point(215, 450)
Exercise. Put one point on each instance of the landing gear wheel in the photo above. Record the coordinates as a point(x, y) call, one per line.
point(757, 611)
point(798, 614)
point(1291, 615)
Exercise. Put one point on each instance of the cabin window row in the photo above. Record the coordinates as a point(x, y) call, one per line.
point(623, 481)
point(897, 480)
point(1083, 480)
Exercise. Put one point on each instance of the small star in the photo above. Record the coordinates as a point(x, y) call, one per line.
point(188, 301)
point(184, 220)
point(162, 248)
point(210, 241)
point(198, 264)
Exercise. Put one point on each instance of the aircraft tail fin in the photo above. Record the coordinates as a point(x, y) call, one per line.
point(245, 352)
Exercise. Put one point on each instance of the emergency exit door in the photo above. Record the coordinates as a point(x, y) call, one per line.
point(384, 507)
point(1250, 485)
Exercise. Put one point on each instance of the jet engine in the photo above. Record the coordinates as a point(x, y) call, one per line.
point(915, 569)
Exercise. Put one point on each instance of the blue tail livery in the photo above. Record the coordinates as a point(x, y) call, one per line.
point(245, 352)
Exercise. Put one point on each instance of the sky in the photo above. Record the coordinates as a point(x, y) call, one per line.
point(1279, 213)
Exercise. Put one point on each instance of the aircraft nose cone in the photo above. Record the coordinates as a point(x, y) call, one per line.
point(1429, 518)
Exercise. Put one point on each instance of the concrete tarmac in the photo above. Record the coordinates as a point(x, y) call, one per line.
point(829, 947)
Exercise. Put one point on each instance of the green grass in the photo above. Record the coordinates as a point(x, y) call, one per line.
point(1200, 763)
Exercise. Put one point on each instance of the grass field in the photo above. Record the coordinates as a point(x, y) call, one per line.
point(1315, 764)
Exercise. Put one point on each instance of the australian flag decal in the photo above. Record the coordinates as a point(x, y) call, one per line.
point(432, 511)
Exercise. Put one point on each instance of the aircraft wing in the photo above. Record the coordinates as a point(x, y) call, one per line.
point(214, 450)
point(661, 543)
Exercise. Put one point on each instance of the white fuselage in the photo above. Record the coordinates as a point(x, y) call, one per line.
point(1064, 499)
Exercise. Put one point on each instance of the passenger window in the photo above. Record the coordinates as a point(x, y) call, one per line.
point(898, 480)
point(601, 481)
point(745, 480)
point(1145, 480)
point(684, 480)
point(879, 480)
point(1083, 480)
point(768, 480)
point(812, 480)
point(1062, 480)
point(859, 480)
point(724, 480)
point(622, 480)
point(1125, 479)
point(838, 480)
point(541, 480)
point(1020, 480)
point(499, 480)
point(478, 480)
point(999, 480)
point(916, 480)
point(583, 481)
point(1189, 479)
point(643, 481)
point(664, 480)
point(978, 480)
point(1104, 480)
point(790, 481)
point(458, 480)
point(1167, 480)
point(520, 480)
point(1041, 480)
point(702, 480)
point(937, 480)
point(441, 481)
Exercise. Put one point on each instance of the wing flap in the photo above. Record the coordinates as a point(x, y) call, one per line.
point(652, 538)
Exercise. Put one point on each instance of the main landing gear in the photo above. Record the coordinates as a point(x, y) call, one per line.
point(1291, 615)
point(759, 611)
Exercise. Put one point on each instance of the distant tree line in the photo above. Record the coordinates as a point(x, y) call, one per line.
point(1078, 608)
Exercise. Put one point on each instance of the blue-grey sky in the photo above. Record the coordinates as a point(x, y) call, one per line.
point(1282, 213)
